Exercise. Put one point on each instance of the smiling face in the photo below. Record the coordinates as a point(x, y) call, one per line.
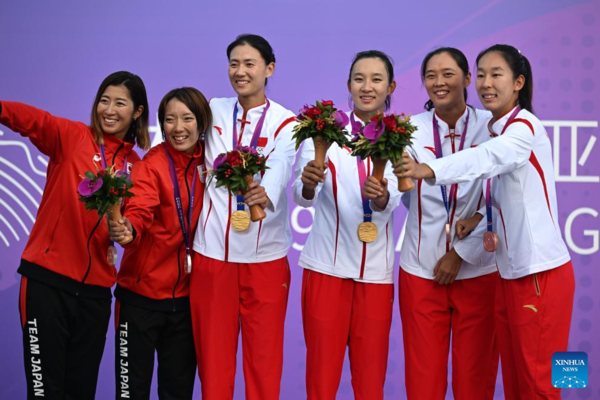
point(369, 86)
point(497, 88)
point(181, 127)
point(445, 83)
point(247, 74)
point(115, 111)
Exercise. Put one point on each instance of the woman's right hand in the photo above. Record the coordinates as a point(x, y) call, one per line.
point(312, 175)
point(119, 230)
point(465, 226)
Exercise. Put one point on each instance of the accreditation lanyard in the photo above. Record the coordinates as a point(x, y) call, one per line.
point(253, 142)
point(439, 154)
point(362, 177)
point(488, 196)
point(178, 204)
point(105, 165)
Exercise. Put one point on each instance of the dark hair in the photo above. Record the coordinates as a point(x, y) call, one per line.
point(519, 64)
point(195, 101)
point(389, 67)
point(457, 56)
point(138, 130)
point(258, 42)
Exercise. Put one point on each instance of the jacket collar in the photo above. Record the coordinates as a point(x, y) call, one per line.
point(182, 159)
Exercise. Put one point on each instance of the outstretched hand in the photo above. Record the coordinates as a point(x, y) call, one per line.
point(409, 168)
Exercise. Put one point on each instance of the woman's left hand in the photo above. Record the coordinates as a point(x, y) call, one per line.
point(377, 191)
point(447, 268)
point(256, 194)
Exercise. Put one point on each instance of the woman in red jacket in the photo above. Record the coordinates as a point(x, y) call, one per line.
point(152, 313)
point(65, 294)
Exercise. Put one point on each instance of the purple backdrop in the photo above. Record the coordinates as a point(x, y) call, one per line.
point(55, 54)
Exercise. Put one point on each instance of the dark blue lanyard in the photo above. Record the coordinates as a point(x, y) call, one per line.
point(178, 204)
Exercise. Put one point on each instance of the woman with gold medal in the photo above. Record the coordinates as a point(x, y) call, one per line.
point(348, 259)
point(240, 276)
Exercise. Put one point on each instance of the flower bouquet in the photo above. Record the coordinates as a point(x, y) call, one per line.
point(235, 170)
point(385, 138)
point(102, 191)
point(322, 123)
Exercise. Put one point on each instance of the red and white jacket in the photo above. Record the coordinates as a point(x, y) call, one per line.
point(519, 161)
point(153, 263)
point(68, 244)
point(425, 234)
point(333, 247)
point(271, 238)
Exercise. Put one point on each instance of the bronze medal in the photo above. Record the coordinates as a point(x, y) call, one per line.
point(490, 241)
point(111, 255)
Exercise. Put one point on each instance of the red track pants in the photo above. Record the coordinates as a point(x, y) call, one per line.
point(533, 318)
point(225, 295)
point(430, 314)
point(342, 312)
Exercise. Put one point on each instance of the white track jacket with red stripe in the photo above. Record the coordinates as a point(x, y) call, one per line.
point(271, 238)
point(425, 232)
point(523, 190)
point(333, 247)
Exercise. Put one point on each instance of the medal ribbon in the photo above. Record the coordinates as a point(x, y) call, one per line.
point(178, 204)
point(488, 196)
point(362, 177)
point(439, 154)
point(253, 142)
point(104, 166)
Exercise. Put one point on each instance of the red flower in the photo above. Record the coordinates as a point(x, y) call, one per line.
point(375, 118)
point(313, 112)
point(401, 129)
point(102, 172)
point(326, 103)
point(234, 159)
point(390, 122)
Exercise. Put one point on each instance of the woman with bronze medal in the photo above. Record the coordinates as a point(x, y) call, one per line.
point(153, 309)
point(440, 276)
point(348, 259)
point(534, 298)
point(240, 278)
point(65, 296)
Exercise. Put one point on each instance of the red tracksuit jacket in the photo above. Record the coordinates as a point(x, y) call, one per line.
point(152, 273)
point(68, 244)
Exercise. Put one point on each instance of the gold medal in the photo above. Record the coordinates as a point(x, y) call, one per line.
point(367, 232)
point(240, 220)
